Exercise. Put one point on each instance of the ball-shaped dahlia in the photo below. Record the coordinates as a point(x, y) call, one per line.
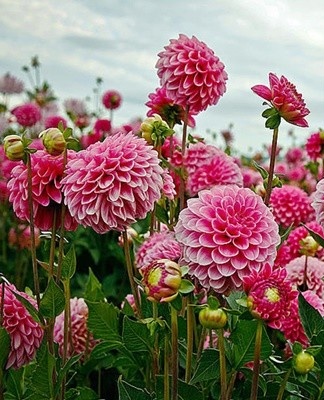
point(226, 233)
point(112, 99)
point(102, 126)
point(27, 114)
point(318, 202)
point(251, 177)
point(159, 245)
point(269, 294)
point(25, 334)
point(294, 155)
point(221, 169)
point(52, 121)
point(290, 205)
point(82, 340)
point(47, 172)
point(113, 183)
point(315, 145)
point(192, 75)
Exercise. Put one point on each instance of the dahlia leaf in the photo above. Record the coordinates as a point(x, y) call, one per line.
point(14, 384)
point(103, 320)
point(4, 348)
point(130, 392)
point(136, 335)
point(81, 393)
point(264, 173)
point(207, 367)
point(63, 371)
point(93, 289)
point(312, 320)
point(185, 390)
point(53, 300)
point(269, 112)
point(69, 264)
point(273, 122)
point(186, 286)
point(161, 214)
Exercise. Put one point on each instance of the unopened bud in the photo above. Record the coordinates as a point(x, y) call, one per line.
point(14, 147)
point(213, 318)
point(53, 141)
point(309, 246)
point(303, 362)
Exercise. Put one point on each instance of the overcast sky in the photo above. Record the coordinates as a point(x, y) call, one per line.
point(118, 40)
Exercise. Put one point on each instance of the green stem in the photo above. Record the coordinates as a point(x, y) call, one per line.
point(67, 330)
point(201, 342)
point(272, 165)
point(256, 361)
point(156, 344)
point(190, 329)
point(183, 152)
point(175, 356)
point(283, 385)
point(62, 231)
point(52, 246)
point(129, 266)
point(166, 369)
point(222, 362)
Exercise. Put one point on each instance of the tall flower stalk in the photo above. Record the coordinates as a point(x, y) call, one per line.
point(256, 361)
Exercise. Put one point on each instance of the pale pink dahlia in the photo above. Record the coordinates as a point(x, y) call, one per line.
point(290, 205)
point(75, 107)
point(284, 97)
point(112, 99)
point(53, 121)
point(270, 294)
point(159, 245)
point(318, 202)
point(113, 183)
point(9, 84)
point(81, 339)
point(314, 300)
point(307, 273)
point(315, 145)
point(27, 114)
point(226, 233)
point(25, 334)
point(168, 185)
point(47, 172)
point(191, 74)
point(221, 169)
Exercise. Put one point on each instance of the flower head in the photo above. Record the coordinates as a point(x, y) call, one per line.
point(226, 233)
point(315, 145)
point(9, 84)
point(14, 147)
point(102, 126)
point(286, 102)
point(270, 294)
point(21, 237)
point(53, 121)
point(53, 141)
point(27, 115)
point(113, 183)
point(112, 99)
point(25, 334)
point(318, 202)
point(192, 75)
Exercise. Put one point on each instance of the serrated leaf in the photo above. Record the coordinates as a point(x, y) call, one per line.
point(53, 300)
point(62, 373)
point(4, 348)
point(81, 393)
point(312, 320)
point(136, 335)
point(14, 384)
point(273, 122)
point(93, 290)
point(130, 392)
point(103, 320)
point(186, 391)
point(161, 214)
point(68, 264)
point(207, 367)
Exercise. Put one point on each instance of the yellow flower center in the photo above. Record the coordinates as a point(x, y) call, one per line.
point(272, 294)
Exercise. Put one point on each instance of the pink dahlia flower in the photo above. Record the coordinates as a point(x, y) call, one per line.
point(112, 99)
point(318, 202)
point(251, 177)
point(102, 126)
point(290, 206)
point(192, 75)
point(221, 169)
point(90, 138)
point(284, 97)
point(53, 121)
point(307, 273)
point(27, 114)
point(113, 183)
point(47, 172)
point(315, 145)
point(159, 245)
point(270, 294)
point(172, 113)
point(75, 107)
point(168, 185)
point(82, 340)
point(226, 233)
point(9, 84)
point(314, 300)
point(21, 238)
point(25, 334)
point(294, 155)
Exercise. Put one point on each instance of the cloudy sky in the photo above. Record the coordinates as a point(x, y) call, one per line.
point(118, 40)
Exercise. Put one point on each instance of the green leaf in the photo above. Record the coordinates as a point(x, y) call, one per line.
point(185, 390)
point(186, 286)
point(136, 335)
point(81, 393)
point(4, 348)
point(213, 302)
point(102, 349)
point(103, 321)
point(207, 367)
point(161, 214)
point(273, 122)
point(130, 392)
point(312, 320)
point(93, 289)
point(53, 300)
point(318, 239)
point(69, 264)
point(243, 338)
point(14, 384)
point(264, 173)
point(62, 373)
point(269, 112)
point(177, 303)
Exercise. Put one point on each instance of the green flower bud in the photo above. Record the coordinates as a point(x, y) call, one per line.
point(53, 141)
point(14, 147)
point(303, 362)
point(309, 246)
point(212, 318)
point(155, 130)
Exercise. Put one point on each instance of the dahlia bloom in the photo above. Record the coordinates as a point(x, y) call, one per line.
point(25, 334)
point(308, 273)
point(172, 113)
point(52, 121)
point(113, 183)
point(9, 84)
point(285, 99)
point(294, 155)
point(315, 145)
point(75, 107)
point(27, 115)
point(192, 75)
point(290, 205)
point(226, 233)
point(251, 177)
point(314, 300)
point(103, 126)
point(318, 202)
point(270, 294)
point(82, 340)
point(20, 237)
point(159, 245)
point(90, 138)
point(4, 124)
point(112, 99)
point(47, 172)
point(168, 189)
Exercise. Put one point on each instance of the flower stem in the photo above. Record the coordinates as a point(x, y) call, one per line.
point(166, 369)
point(62, 231)
point(256, 361)
point(156, 344)
point(175, 357)
point(190, 323)
point(183, 151)
point(67, 330)
point(222, 362)
point(283, 385)
point(129, 266)
point(272, 165)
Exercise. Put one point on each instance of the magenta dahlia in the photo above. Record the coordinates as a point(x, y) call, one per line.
point(315, 145)
point(81, 339)
point(290, 205)
point(27, 115)
point(25, 334)
point(90, 138)
point(53, 121)
point(270, 294)
point(102, 126)
point(20, 237)
point(112, 99)
point(47, 172)
point(9, 84)
point(294, 155)
point(226, 233)
point(285, 99)
point(113, 183)
point(192, 75)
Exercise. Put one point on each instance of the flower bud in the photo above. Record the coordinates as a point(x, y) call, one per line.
point(155, 130)
point(303, 362)
point(162, 280)
point(309, 246)
point(212, 318)
point(14, 147)
point(53, 141)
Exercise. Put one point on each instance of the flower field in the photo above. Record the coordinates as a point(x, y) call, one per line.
point(144, 262)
